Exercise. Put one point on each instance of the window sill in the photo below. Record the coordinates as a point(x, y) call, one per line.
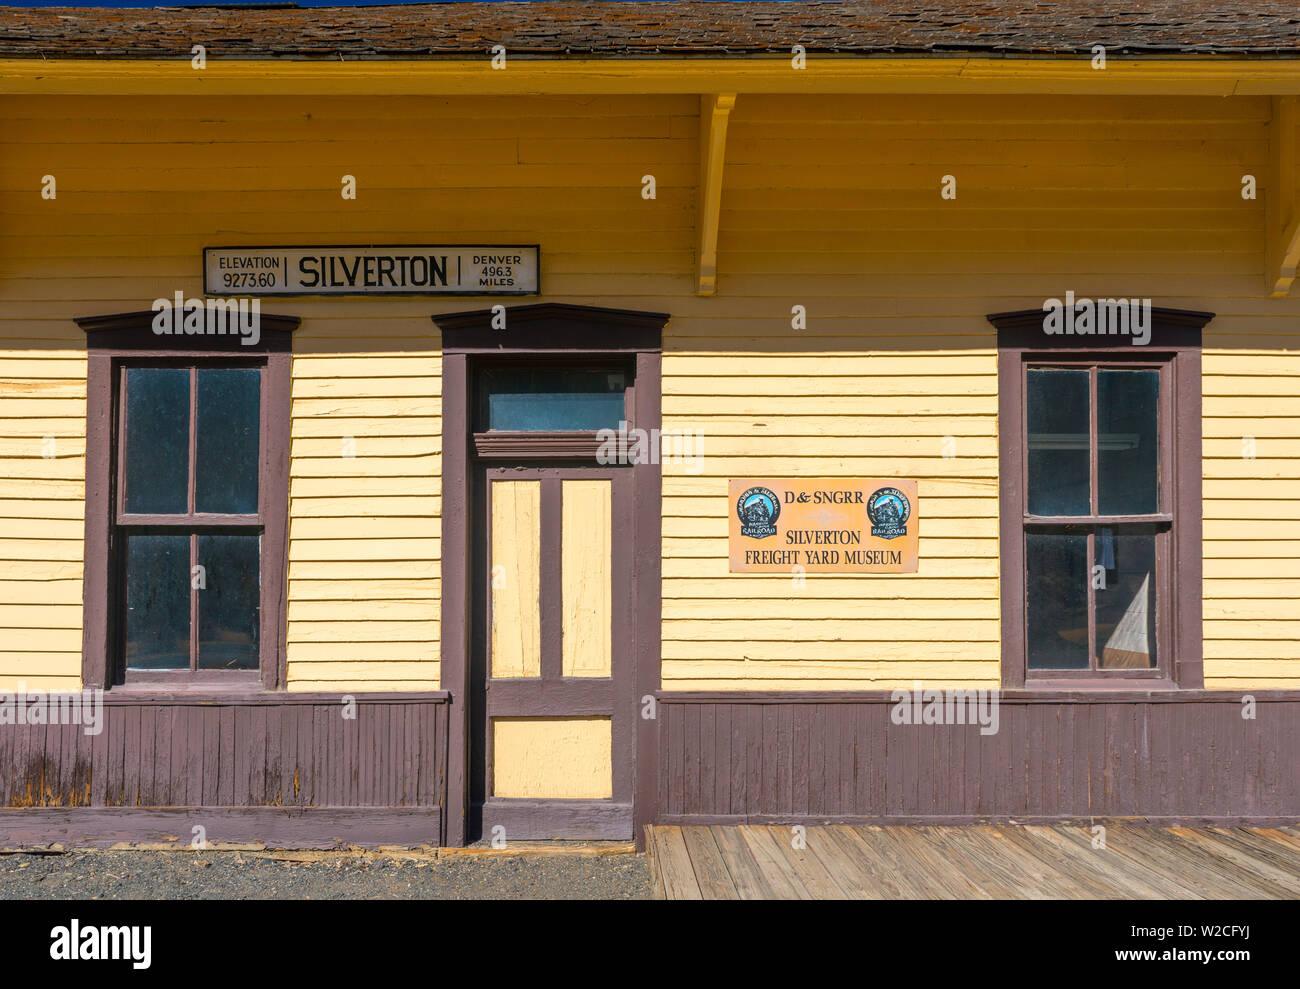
point(1090, 686)
point(255, 695)
point(237, 685)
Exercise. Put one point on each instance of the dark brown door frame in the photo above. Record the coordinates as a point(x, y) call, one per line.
point(1176, 339)
point(545, 329)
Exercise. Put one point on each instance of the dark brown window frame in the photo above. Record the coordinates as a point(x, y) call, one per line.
point(1175, 345)
point(562, 332)
point(127, 339)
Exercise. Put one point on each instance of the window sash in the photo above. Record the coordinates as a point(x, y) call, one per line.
point(191, 523)
point(1164, 464)
point(1159, 595)
point(1160, 522)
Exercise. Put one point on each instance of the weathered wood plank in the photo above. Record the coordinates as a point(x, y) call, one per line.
point(674, 863)
point(711, 873)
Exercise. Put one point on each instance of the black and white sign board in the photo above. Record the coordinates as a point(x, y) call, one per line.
point(404, 269)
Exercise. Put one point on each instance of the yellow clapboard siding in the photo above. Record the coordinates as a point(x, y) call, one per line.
point(375, 626)
point(831, 203)
point(1282, 651)
point(375, 590)
point(851, 652)
point(382, 609)
point(354, 673)
point(762, 630)
point(740, 588)
point(397, 506)
point(302, 550)
point(394, 387)
point(365, 527)
point(1248, 667)
point(797, 682)
point(300, 681)
point(1249, 588)
point(359, 486)
point(815, 671)
point(40, 614)
point(798, 608)
point(34, 591)
point(42, 550)
point(359, 573)
point(366, 447)
point(704, 388)
point(333, 427)
point(375, 654)
point(43, 640)
point(15, 527)
point(365, 466)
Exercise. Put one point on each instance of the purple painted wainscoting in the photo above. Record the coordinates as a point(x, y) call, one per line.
point(281, 769)
point(838, 757)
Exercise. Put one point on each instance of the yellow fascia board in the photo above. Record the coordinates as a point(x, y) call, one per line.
point(1217, 76)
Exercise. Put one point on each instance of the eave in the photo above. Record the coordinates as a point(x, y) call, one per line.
point(1209, 76)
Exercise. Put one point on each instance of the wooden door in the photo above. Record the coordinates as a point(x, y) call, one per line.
point(554, 719)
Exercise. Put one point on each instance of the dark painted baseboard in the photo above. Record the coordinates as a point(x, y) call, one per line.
point(1163, 757)
point(274, 827)
point(283, 769)
point(543, 820)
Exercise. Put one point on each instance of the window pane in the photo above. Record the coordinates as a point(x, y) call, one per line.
point(1056, 609)
point(1128, 404)
point(229, 606)
point(225, 466)
point(1126, 605)
point(158, 602)
point(157, 440)
point(1058, 414)
point(552, 400)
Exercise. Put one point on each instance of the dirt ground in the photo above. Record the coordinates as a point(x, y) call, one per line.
point(542, 873)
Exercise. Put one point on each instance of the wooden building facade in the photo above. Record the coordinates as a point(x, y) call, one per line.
point(805, 259)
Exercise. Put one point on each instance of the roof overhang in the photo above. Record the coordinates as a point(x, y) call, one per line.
point(1213, 76)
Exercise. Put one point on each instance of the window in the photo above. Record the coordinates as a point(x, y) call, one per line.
point(550, 405)
point(187, 518)
point(187, 499)
point(1099, 457)
point(1095, 534)
point(531, 399)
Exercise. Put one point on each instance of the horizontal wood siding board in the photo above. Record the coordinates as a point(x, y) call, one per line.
point(1160, 757)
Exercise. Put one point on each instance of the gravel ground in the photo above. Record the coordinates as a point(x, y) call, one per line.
point(221, 875)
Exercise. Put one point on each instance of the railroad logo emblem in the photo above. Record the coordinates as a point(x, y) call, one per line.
point(758, 509)
point(889, 510)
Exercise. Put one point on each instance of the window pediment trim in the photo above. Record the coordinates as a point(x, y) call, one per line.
point(133, 331)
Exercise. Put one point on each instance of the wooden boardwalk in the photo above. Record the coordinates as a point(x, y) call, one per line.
point(974, 862)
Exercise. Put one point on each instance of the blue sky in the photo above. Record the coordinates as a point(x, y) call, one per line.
point(217, 3)
point(213, 3)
